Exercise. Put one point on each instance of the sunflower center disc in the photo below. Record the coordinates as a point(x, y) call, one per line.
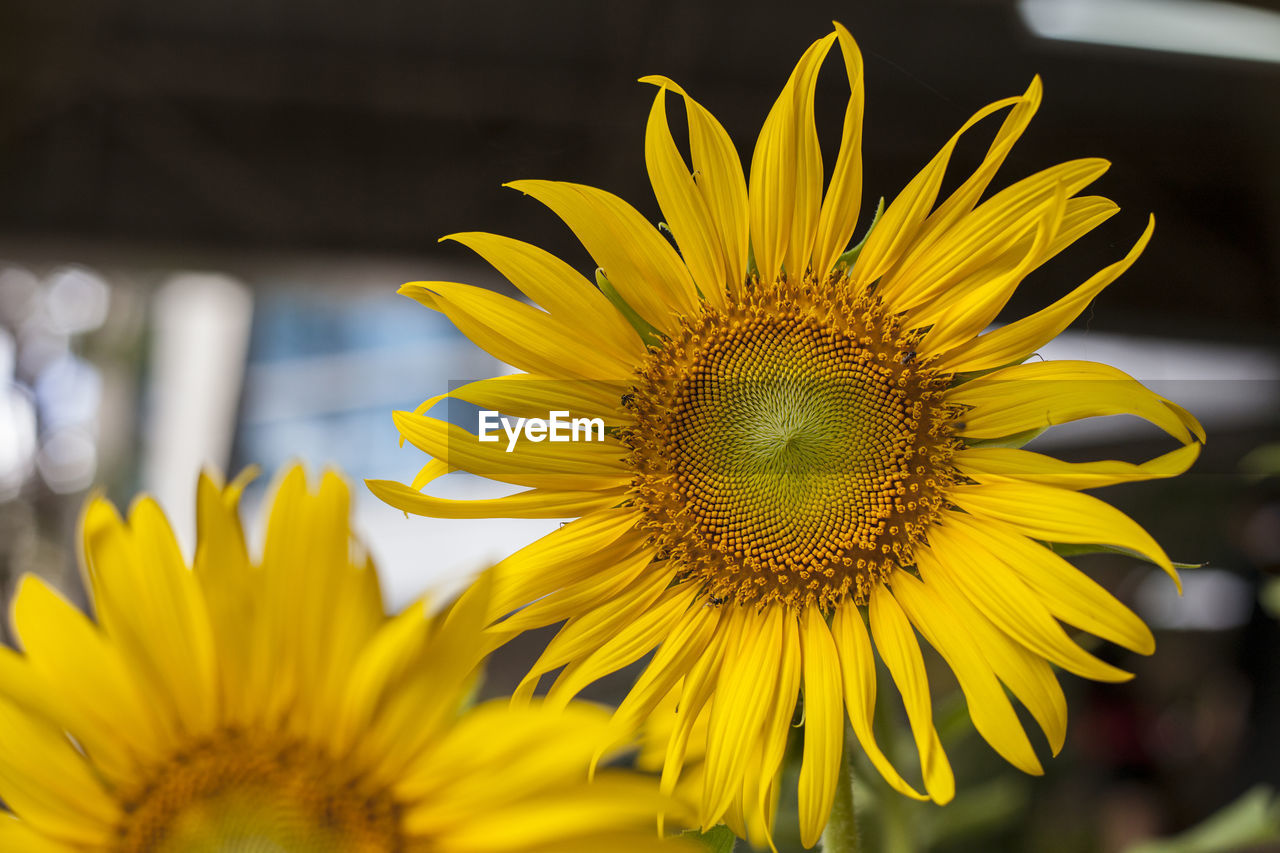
point(232, 794)
point(787, 449)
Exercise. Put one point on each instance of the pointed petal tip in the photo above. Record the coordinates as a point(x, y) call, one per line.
point(661, 81)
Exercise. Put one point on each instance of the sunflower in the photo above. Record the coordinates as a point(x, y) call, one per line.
point(801, 435)
point(272, 705)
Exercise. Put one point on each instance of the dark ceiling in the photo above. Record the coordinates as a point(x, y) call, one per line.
point(380, 125)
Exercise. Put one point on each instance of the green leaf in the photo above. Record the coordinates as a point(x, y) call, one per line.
point(1269, 597)
point(1071, 549)
point(651, 336)
point(980, 810)
point(846, 260)
point(1262, 461)
point(1253, 820)
point(718, 839)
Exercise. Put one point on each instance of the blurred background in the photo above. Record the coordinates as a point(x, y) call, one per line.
point(206, 207)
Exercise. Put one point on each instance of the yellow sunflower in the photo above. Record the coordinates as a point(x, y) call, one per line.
point(800, 432)
point(271, 705)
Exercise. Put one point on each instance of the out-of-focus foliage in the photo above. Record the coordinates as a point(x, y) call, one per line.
point(1249, 822)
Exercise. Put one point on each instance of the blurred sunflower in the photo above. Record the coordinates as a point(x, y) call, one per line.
point(799, 431)
point(273, 706)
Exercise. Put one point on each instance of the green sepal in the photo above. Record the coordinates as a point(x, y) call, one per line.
point(845, 261)
point(651, 336)
point(1018, 439)
point(717, 839)
point(1074, 549)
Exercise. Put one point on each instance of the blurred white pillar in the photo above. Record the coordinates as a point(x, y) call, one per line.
point(1203, 27)
point(200, 339)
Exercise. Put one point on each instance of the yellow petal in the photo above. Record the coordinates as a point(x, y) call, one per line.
point(970, 305)
point(384, 661)
point(95, 684)
point(16, 834)
point(786, 173)
point(1026, 675)
point(683, 206)
point(843, 201)
point(718, 174)
point(280, 682)
point(593, 628)
point(308, 577)
point(176, 626)
point(616, 570)
point(1027, 397)
point(1057, 515)
point(986, 234)
point(750, 668)
point(629, 643)
point(1068, 593)
point(823, 726)
point(350, 628)
point(519, 334)
point(699, 686)
point(996, 590)
point(533, 503)
point(527, 395)
point(858, 668)
point(638, 261)
point(687, 642)
point(988, 464)
point(992, 713)
point(424, 689)
point(559, 288)
point(536, 746)
point(759, 791)
point(131, 605)
point(617, 841)
point(984, 295)
point(572, 552)
point(1017, 340)
point(961, 202)
point(900, 652)
point(49, 784)
point(897, 229)
point(221, 567)
point(574, 466)
point(613, 801)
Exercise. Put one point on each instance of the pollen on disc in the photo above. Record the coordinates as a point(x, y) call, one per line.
point(790, 448)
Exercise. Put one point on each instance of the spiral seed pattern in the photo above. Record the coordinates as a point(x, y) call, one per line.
point(790, 448)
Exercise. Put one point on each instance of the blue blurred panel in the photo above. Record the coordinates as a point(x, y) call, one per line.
point(325, 374)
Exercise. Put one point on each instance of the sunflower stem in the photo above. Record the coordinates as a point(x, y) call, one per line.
point(841, 834)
